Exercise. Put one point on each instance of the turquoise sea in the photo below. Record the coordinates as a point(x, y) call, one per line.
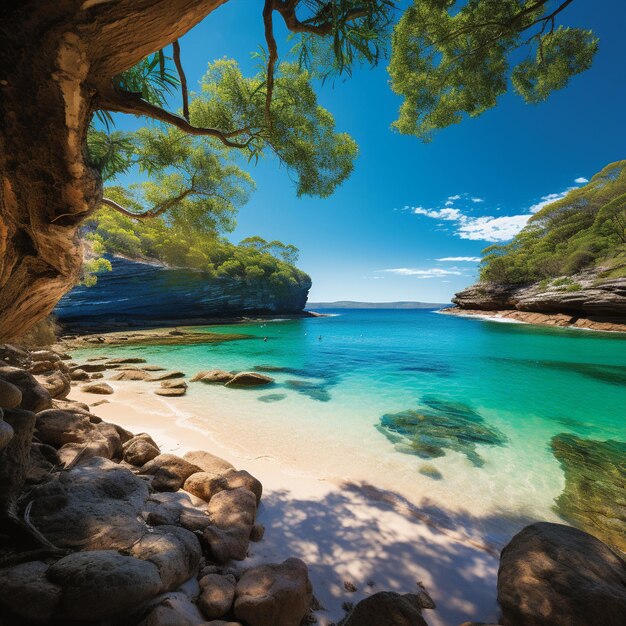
point(500, 391)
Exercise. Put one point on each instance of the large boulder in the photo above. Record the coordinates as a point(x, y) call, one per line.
point(57, 383)
point(249, 379)
point(175, 552)
point(140, 449)
point(26, 594)
point(95, 506)
point(174, 609)
point(44, 460)
point(10, 395)
point(217, 594)
point(387, 608)
point(169, 471)
point(555, 575)
point(232, 516)
point(103, 585)
point(208, 462)
point(206, 484)
point(274, 595)
point(177, 507)
point(34, 397)
point(128, 374)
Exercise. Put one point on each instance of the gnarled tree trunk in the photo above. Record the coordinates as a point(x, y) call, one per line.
point(57, 63)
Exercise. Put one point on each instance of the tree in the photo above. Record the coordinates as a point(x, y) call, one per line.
point(62, 62)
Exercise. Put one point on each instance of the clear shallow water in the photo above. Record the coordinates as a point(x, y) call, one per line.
point(526, 383)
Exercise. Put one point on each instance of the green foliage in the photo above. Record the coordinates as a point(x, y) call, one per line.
point(584, 229)
point(92, 268)
point(302, 133)
point(177, 244)
point(451, 58)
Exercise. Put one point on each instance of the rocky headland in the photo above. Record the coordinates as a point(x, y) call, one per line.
point(584, 300)
point(147, 293)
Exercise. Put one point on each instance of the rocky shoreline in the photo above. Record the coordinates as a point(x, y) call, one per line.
point(560, 320)
point(585, 300)
point(106, 528)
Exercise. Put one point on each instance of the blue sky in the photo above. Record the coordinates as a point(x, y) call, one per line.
point(412, 219)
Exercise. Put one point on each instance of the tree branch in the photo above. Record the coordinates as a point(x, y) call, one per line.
point(272, 50)
point(182, 78)
point(127, 102)
point(155, 212)
point(287, 9)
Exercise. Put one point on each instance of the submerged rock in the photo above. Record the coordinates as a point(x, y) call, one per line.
point(315, 391)
point(442, 426)
point(555, 575)
point(594, 497)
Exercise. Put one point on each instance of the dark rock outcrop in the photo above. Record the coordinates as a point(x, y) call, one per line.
point(555, 575)
point(583, 295)
point(139, 293)
point(594, 497)
point(387, 608)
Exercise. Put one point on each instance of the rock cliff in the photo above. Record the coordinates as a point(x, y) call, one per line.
point(583, 299)
point(141, 293)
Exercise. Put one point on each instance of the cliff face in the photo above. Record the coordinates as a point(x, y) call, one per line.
point(582, 295)
point(140, 293)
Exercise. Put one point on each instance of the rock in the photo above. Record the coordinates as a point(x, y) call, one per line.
point(174, 609)
point(167, 376)
point(56, 427)
point(169, 471)
point(594, 498)
point(43, 461)
point(34, 397)
point(257, 533)
point(174, 384)
point(14, 458)
point(217, 594)
point(57, 384)
point(275, 595)
point(172, 508)
point(232, 516)
point(90, 368)
point(208, 462)
point(428, 432)
point(10, 395)
point(205, 485)
point(213, 376)
point(44, 355)
point(124, 374)
point(102, 584)
point(70, 405)
point(555, 575)
point(242, 478)
point(173, 392)
point(95, 506)
point(249, 379)
point(27, 593)
point(79, 375)
point(386, 608)
point(6, 434)
point(101, 388)
point(598, 299)
point(152, 368)
point(125, 360)
point(426, 469)
point(147, 292)
point(96, 376)
point(175, 552)
point(140, 449)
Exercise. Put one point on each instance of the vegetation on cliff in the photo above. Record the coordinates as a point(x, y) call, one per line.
point(585, 229)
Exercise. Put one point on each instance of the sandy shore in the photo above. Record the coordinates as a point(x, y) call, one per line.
point(344, 531)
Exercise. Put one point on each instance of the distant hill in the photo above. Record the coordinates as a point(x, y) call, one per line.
point(351, 304)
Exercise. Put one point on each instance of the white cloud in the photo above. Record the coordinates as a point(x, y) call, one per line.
point(433, 272)
point(549, 199)
point(460, 259)
point(448, 214)
point(492, 229)
point(581, 180)
point(455, 197)
point(476, 200)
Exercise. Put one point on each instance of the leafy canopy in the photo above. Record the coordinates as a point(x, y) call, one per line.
point(584, 229)
point(451, 58)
